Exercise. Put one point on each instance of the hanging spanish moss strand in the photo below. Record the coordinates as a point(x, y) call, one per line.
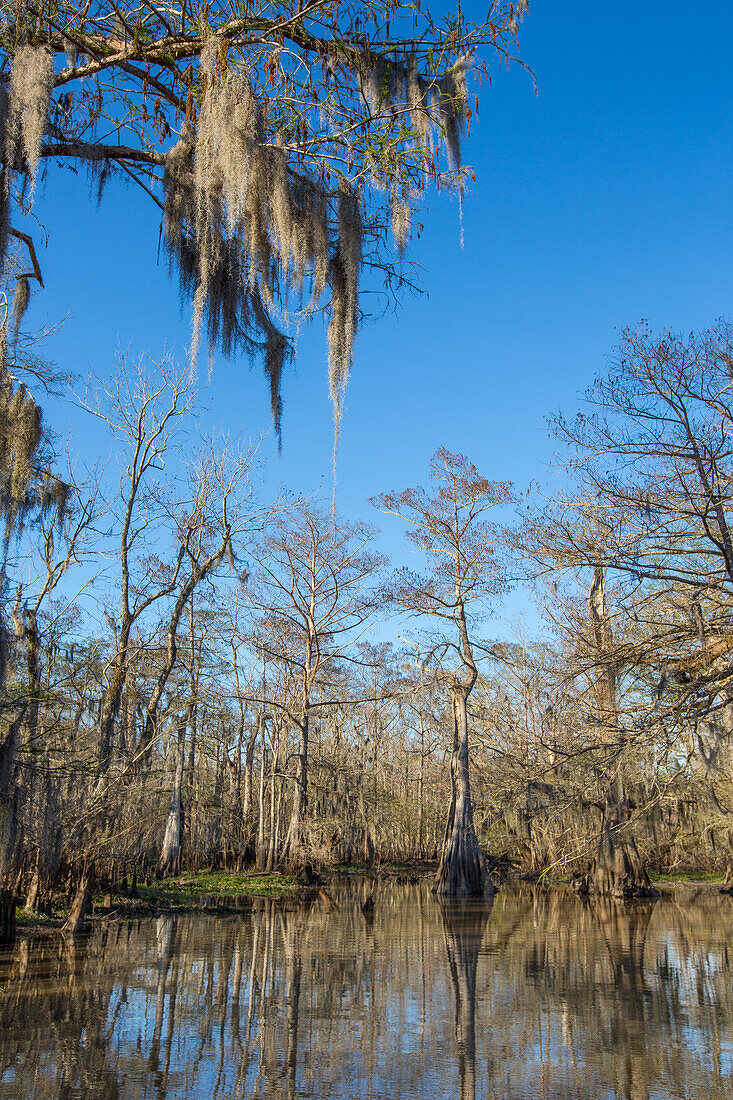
point(247, 233)
point(179, 208)
point(25, 486)
point(278, 350)
point(396, 87)
point(344, 280)
point(31, 84)
point(378, 83)
point(520, 10)
point(401, 218)
point(20, 437)
point(210, 266)
point(21, 297)
point(452, 103)
point(310, 213)
point(417, 105)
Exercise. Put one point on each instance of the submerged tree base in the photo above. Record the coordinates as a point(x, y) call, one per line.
point(8, 903)
point(76, 919)
point(617, 870)
point(463, 870)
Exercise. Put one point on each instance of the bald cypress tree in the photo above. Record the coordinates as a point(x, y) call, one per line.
point(448, 522)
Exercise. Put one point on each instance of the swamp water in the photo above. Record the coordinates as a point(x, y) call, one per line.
point(538, 995)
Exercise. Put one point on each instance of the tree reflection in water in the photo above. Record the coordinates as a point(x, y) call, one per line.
point(464, 923)
point(538, 995)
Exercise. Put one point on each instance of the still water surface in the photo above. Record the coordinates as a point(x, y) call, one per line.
point(540, 995)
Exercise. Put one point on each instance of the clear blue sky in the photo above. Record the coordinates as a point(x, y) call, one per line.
point(604, 199)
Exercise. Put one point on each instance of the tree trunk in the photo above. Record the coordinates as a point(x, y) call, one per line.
point(462, 871)
point(421, 792)
point(617, 868)
point(170, 856)
point(111, 707)
point(8, 794)
point(8, 903)
point(236, 832)
point(77, 914)
point(32, 897)
point(247, 792)
point(272, 841)
point(261, 854)
point(293, 853)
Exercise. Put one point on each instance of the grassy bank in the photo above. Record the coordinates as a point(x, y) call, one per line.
point(218, 891)
point(688, 878)
point(207, 890)
point(190, 891)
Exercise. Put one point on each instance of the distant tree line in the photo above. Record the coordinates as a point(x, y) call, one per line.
point(189, 676)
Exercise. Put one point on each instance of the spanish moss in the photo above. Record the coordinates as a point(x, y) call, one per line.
point(452, 104)
point(246, 232)
point(344, 279)
point(401, 216)
point(31, 83)
point(26, 486)
point(21, 297)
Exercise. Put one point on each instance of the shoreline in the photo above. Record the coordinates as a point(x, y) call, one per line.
point(225, 893)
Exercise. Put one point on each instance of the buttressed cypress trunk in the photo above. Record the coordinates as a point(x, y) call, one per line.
point(617, 868)
point(462, 871)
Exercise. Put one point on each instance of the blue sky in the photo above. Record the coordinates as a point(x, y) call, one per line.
point(603, 199)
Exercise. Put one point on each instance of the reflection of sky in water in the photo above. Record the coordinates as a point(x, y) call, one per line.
point(542, 996)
